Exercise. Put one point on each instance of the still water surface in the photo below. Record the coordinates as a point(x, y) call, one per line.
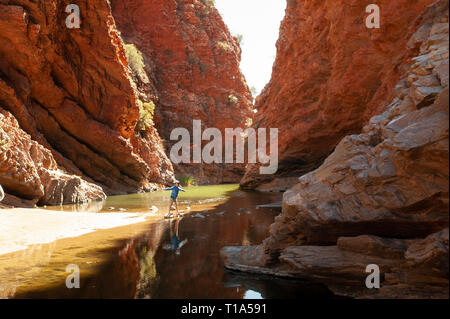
point(176, 258)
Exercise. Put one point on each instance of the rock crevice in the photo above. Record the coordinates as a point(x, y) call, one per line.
point(71, 91)
point(381, 197)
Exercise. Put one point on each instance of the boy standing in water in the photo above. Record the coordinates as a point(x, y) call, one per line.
point(173, 197)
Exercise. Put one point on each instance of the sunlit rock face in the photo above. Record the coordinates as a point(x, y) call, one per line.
point(381, 197)
point(330, 76)
point(193, 62)
point(29, 172)
point(71, 91)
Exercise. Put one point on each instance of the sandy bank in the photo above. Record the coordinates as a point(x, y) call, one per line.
point(20, 227)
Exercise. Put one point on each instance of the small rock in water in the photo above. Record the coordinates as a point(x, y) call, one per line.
point(239, 214)
point(122, 209)
point(198, 216)
point(188, 208)
point(111, 208)
point(221, 213)
point(154, 209)
point(272, 205)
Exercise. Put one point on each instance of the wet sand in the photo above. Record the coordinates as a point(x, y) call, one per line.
point(21, 227)
point(36, 245)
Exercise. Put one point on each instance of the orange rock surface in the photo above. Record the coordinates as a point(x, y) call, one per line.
point(382, 196)
point(330, 76)
point(71, 91)
point(193, 62)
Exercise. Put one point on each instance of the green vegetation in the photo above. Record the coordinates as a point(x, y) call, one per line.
point(203, 67)
point(193, 58)
point(188, 181)
point(147, 268)
point(240, 38)
point(3, 145)
point(207, 9)
point(146, 112)
point(224, 46)
point(233, 99)
point(135, 59)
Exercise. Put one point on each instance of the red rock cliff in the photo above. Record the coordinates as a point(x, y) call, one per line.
point(330, 75)
point(193, 62)
point(71, 91)
point(381, 197)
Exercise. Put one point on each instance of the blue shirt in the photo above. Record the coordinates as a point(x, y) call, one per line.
point(175, 190)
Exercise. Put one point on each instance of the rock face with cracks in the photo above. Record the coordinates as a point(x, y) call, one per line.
point(381, 197)
point(75, 107)
point(330, 76)
point(193, 64)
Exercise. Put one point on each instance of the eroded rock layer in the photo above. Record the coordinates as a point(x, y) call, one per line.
point(71, 92)
point(193, 62)
point(382, 196)
point(330, 76)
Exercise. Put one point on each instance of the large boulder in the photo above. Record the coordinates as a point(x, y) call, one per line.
point(381, 197)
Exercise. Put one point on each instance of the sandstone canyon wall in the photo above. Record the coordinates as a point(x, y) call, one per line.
point(330, 76)
point(69, 108)
point(382, 196)
point(193, 63)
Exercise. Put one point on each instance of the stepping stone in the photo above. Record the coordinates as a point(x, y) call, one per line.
point(272, 205)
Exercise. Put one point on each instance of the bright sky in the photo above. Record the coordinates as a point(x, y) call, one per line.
point(259, 23)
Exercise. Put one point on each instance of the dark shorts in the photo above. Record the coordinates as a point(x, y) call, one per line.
point(173, 198)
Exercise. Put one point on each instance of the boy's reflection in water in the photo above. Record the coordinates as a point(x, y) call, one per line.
point(175, 244)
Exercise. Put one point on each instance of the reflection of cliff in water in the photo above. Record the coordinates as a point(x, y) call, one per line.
point(197, 271)
point(147, 267)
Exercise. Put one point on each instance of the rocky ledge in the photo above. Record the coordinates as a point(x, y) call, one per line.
point(380, 198)
point(330, 76)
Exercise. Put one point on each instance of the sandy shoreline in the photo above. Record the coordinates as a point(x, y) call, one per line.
point(22, 227)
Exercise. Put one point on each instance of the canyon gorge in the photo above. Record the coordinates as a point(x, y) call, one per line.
point(362, 116)
point(381, 196)
point(71, 102)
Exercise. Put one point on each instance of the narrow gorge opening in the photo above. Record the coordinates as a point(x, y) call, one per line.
point(91, 107)
point(256, 23)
